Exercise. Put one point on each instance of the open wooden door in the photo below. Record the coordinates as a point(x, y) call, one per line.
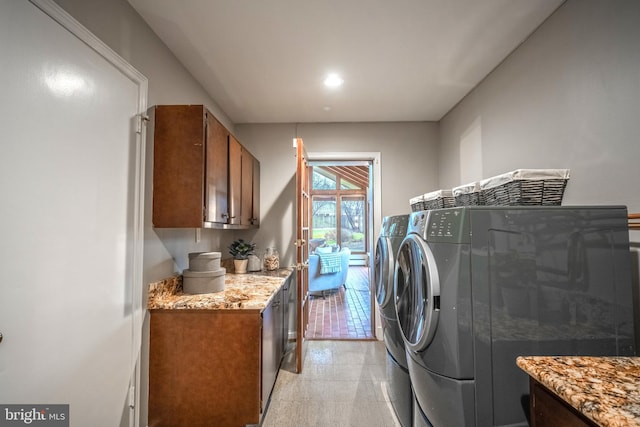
point(302, 251)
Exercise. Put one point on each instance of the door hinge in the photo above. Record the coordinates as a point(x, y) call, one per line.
point(301, 266)
point(300, 242)
point(141, 120)
point(132, 397)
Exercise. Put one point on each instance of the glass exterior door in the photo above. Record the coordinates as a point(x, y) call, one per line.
point(340, 210)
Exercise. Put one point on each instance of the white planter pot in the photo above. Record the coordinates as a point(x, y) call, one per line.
point(240, 265)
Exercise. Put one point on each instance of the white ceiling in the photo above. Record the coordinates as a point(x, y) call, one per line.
point(263, 61)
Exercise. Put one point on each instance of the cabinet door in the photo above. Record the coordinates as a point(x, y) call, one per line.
point(235, 180)
point(272, 348)
point(548, 410)
point(204, 368)
point(217, 170)
point(250, 204)
point(278, 329)
point(268, 363)
point(255, 194)
point(286, 295)
point(178, 170)
point(246, 208)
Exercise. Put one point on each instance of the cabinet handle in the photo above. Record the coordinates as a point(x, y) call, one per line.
point(0, 337)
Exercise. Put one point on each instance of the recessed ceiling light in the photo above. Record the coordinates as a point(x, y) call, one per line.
point(333, 80)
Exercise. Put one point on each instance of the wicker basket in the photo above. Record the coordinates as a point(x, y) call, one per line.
point(468, 195)
point(416, 203)
point(438, 199)
point(526, 187)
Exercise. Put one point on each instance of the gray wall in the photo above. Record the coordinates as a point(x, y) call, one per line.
point(408, 158)
point(569, 97)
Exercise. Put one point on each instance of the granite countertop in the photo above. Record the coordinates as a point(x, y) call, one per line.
point(251, 291)
point(604, 389)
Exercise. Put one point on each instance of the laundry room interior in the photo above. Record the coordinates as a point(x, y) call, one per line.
point(283, 213)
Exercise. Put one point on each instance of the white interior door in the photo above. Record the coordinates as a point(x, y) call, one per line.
point(70, 192)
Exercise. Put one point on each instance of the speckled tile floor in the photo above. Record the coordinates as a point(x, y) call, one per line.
point(342, 384)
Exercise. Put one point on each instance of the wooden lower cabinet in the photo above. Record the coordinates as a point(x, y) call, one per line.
point(548, 410)
point(206, 368)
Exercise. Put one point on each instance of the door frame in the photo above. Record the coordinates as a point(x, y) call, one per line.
point(375, 212)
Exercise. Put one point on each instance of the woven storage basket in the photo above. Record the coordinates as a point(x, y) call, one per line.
point(526, 187)
point(438, 199)
point(417, 203)
point(468, 195)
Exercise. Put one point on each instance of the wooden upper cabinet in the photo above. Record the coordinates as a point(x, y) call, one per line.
point(217, 172)
point(198, 177)
point(235, 180)
point(178, 165)
point(255, 193)
point(250, 209)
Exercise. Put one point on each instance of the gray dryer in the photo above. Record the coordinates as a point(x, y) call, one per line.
point(476, 287)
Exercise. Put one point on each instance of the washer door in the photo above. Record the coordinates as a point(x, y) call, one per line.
point(383, 272)
point(416, 290)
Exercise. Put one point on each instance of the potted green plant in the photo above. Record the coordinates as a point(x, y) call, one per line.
point(240, 251)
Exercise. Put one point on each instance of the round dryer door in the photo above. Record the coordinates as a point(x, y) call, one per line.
point(416, 289)
point(383, 272)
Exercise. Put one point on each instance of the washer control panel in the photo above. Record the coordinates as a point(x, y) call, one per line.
point(398, 225)
point(447, 225)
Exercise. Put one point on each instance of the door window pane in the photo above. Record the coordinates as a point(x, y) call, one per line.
point(353, 227)
point(323, 219)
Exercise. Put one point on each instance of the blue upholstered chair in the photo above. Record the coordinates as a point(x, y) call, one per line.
point(320, 283)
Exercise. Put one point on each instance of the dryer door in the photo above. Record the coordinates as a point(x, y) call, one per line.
point(383, 272)
point(416, 292)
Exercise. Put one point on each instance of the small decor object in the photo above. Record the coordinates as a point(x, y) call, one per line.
point(417, 203)
point(468, 194)
point(203, 282)
point(434, 200)
point(438, 199)
point(271, 259)
point(204, 261)
point(254, 263)
point(204, 274)
point(240, 251)
point(526, 187)
point(240, 265)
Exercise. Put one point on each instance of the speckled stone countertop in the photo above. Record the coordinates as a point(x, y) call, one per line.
point(251, 291)
point(604, 389)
